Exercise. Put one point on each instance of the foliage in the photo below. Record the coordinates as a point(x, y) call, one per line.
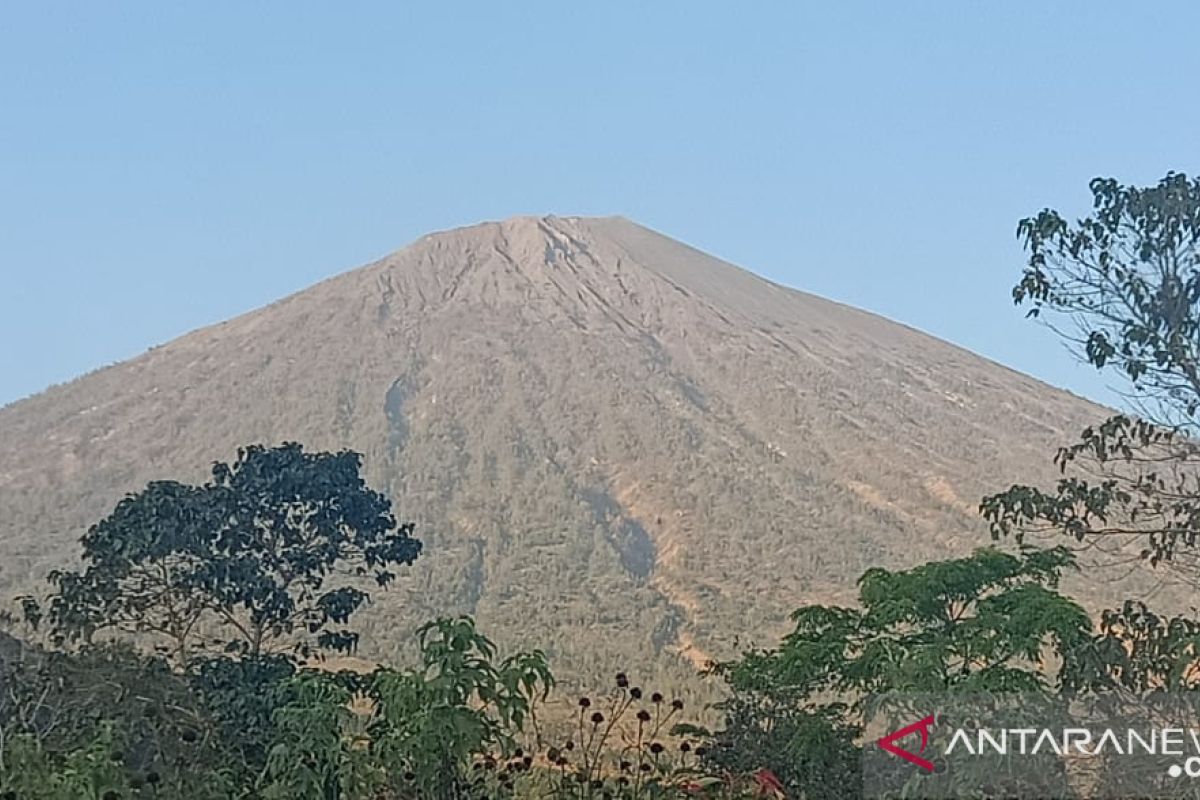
point(985, 623)
point(980, 623)
point(89, 773)
point(1127, 279)
point(227, 572)
point(86, 724)
point(105, 719)
point(458, 725)
point(242, 563)
point(807, 747)
point(430, 723)
point(1140, 653)
point(1123, 287)
point(413, 732)
point(321, 750)
point(240, 696)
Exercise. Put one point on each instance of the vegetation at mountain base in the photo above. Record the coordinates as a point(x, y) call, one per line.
point(101, 720)
point(994, 624)
point(105, 721)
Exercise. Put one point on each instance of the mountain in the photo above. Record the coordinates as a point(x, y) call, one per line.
point(616, 447)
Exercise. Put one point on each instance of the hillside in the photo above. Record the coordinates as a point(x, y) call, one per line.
point(615, 446)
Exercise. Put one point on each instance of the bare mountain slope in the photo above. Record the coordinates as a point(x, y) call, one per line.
point(615, 446)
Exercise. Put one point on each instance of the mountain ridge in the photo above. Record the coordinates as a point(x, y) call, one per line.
point(541, 219)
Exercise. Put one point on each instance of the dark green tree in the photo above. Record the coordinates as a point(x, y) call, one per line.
point(1122, 287)
point(269, 554)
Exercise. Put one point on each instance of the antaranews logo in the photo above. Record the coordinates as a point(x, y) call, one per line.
point(1031, 745)
point(921, 726)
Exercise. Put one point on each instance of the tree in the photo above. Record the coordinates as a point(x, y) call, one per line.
point(1122, 287)
point(247, 562)
point(981, 623)
point(985, 623)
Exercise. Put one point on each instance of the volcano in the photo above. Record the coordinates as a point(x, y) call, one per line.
point(615, 447)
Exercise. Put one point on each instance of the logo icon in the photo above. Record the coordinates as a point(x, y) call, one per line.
point(922, 727)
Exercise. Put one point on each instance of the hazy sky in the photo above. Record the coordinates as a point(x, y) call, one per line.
point(164, 167)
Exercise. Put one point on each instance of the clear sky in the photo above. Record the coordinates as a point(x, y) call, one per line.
point(168, 165)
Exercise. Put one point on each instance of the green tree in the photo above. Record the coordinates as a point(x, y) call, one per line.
point(268, 554)
point(1122, 287)
point(986, 623)
point(981, 623)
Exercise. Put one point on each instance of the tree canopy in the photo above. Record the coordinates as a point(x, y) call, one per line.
point(990, 622)
point(1122, 287)
point(272, 552)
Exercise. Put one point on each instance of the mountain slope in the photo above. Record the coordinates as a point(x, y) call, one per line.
point(616, 447)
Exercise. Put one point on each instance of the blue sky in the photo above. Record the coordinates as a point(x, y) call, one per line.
point(167, 165)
